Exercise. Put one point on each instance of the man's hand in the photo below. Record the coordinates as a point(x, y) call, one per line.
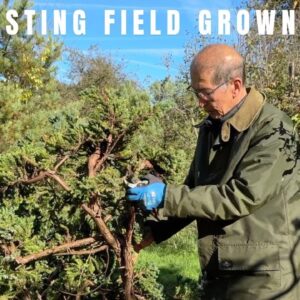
point(146, 241)
point(152, 194)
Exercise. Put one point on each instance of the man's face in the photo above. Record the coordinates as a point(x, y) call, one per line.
point(216, 100)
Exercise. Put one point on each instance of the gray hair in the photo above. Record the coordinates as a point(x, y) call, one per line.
point(222, 61)
point(225, 72)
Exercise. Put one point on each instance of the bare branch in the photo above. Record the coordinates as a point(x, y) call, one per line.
point(61, 162)
point(42, 175)
point(66, 157)
point(110, 148)
point(59, 180)
point(23, 260)
point(85, 252)
point(107, 218)
point(130, 228)
point(127, 259)
point(92, 162)
point(103, 229)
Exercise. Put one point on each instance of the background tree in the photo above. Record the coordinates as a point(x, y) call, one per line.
point(273, 61)
point(26, 60)
point(27, 82)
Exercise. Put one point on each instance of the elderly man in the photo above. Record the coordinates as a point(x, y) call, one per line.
point(242, 187)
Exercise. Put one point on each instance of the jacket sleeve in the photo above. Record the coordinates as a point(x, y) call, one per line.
point(259, 176)
point(164, 229)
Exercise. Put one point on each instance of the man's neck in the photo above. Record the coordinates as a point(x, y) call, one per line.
point(233, 110)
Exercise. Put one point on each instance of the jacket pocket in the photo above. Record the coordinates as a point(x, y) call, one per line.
point(253, 267)
point(248, 257)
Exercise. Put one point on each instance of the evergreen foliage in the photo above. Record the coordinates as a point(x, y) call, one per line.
point(26, 60)
point(54, 191)
point(273, 61)
point(27, 85)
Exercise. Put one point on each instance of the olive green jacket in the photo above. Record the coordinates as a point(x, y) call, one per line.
point(244, 191)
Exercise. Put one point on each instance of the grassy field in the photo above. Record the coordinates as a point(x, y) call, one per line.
point(177, 262)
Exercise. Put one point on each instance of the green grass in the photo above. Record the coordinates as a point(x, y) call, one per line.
point(178, 263)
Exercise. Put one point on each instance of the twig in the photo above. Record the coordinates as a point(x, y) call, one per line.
point(67, 156)
point(60, 163)
point(42, 175)
point(108, 151)
point(107, 218)
point(107, 263)
point(59, 180)
point(98, 288)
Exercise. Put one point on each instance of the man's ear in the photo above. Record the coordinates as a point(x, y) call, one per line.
point(236, 86)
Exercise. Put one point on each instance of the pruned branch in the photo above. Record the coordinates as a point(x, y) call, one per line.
point(23, 260)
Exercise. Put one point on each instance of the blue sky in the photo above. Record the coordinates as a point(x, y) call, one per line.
point(143, 55)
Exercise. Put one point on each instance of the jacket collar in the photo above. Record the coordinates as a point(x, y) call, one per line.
point(246, 115)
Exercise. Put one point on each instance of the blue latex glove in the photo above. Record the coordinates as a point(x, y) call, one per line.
point(152, 194)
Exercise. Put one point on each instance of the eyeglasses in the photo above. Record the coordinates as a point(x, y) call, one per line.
point(204, 93)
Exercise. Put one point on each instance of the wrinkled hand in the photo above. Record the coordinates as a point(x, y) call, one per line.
point(152, 194)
